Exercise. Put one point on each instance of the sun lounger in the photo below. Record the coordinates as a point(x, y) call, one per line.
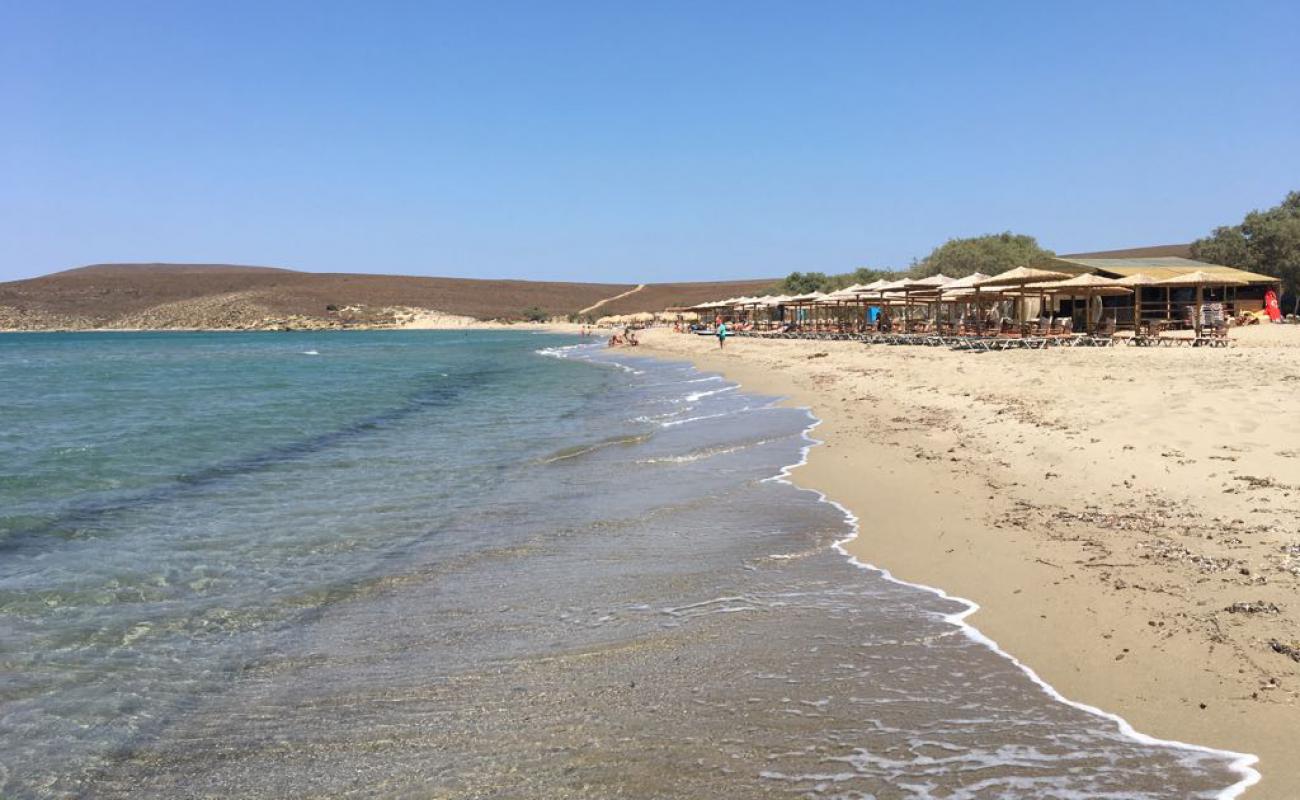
point(1215, 336)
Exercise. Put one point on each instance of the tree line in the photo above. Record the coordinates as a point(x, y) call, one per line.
point(956, 258)
point(1266, 241)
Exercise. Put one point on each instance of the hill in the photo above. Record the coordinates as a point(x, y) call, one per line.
point(658, 296)
point(238, 296)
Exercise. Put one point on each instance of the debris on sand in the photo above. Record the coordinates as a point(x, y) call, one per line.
point(1291, 651)
point(1257, 607)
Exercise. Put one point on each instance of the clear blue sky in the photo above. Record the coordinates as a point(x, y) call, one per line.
point(628, 141)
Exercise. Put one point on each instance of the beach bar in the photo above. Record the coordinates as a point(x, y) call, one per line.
point(1162, 298)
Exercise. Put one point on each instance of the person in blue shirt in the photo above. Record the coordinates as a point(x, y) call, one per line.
point(722, 334)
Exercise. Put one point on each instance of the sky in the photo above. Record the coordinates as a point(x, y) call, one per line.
point(630, 141)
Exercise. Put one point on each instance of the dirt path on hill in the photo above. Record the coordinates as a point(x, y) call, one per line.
point(600, 303)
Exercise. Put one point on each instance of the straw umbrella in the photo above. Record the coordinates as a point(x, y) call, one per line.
point(1019, 276)
point(1087, 286)
point(863, 290)
point(880, 287)
point(1136, 282)
point(960, 289)
point(799, 301)
point(931, 283)
point(1199, 279)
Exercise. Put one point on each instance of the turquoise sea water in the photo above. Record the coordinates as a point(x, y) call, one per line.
point(445, 564)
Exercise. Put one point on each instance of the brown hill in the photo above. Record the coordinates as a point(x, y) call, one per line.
point(1155, 251)
point(658, 296)
point(235, 296)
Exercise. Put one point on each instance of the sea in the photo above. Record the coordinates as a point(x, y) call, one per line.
point(482, 564)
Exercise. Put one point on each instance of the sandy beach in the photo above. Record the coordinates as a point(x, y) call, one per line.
point(1126, 518)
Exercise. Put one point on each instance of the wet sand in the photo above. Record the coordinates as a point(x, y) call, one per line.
point(1126, 518)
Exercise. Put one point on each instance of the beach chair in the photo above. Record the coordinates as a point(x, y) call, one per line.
point(1148, 334)
point(1103, 335)
point(1215, 335)
point(1011, 334)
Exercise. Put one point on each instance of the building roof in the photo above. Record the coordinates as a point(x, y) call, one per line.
point(1164, 268)
point(1180, 250)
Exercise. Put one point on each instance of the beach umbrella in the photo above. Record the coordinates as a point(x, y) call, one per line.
point(971, 281)
point(1087, 286)
point(772, 301)
point(875, 287)
point(862, 290)
point(882, 287)
point(805, 300)
point(1199, 279)
point(966, 288)
point(841, 294)
point(1139, 279)
point(1136, 282)
point(931, 283)
point(1019, 276)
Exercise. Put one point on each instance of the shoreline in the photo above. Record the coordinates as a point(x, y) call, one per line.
point(1069, 651)
point(1243, 763)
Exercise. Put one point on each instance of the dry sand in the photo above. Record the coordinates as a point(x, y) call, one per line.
point(1128, 519)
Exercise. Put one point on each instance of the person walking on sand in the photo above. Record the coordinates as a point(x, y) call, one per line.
point(722, 334)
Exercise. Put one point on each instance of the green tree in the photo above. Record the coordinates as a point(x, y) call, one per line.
point(804, 282)
point(990, 254)
point(1266, 241)
point(535, 314)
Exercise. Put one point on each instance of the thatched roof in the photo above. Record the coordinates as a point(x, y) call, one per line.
point(1021, 275)
point(932, 282)
point(1162, 268)
point(968, 282)
point(1082, 284)
point(1136, 279)
point(1201, 278)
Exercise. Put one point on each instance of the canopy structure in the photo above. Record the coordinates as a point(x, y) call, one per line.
point(932, 282)
point(1087, 286)
point(874, 286)
point(1159, 268)
point(707, 306)
point(1199, 279)
point(1020, 276)
point(971, 282)
point(878, 288)
point(806, 299)
point(1082, 284)
point(1137, 279)
point(847, 293)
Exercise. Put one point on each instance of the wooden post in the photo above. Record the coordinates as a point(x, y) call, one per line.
point(1196, 323)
